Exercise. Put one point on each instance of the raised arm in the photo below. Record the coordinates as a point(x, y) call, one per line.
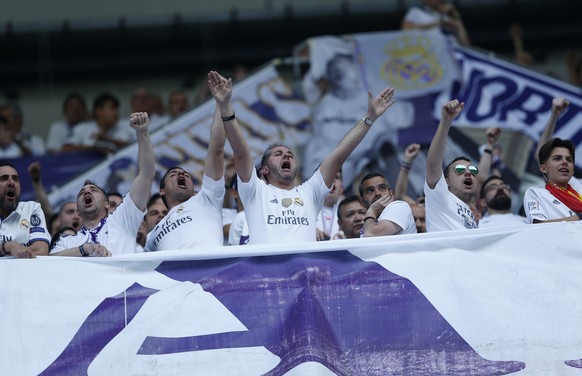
point(214, 163)
point(376, 108)
point(221, 89)
point(34, 171)
point(436, 151)
point(559, 106)
point(492, 135)
point(142, 185)
point(401, 187)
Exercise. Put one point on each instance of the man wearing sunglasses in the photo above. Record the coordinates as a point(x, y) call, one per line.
point(449, 194)
point(496, 199)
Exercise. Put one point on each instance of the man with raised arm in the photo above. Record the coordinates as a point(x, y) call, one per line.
point(277, 210)
point(193, 219)
point(103, 234)
point(449, 194)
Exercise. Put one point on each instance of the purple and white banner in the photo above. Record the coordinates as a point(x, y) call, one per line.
point(479, 302)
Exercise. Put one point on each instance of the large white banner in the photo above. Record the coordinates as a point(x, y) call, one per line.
point(478, 302)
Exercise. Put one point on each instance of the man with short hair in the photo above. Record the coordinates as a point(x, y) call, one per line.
point(193, 219)
point(105, 234)
point(277, 210)
point(449, 194)
point(384, 215)
point(115, 198)
point(419, 215)
point(350, 216)
point(496, 198)
point(69, 216)
point(23, 231)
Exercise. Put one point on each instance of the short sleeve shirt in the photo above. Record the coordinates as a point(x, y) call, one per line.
point(445, 211)
point(194, 223)
point(400, 213)
point(116, 232)
point(277, 215)
point(25, 225)
point(540, 204)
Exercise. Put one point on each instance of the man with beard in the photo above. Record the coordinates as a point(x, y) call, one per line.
point(193, 219)
point(496, 197)
point(350, 216)
point(23, 230)
point(449, 194)
point(277, 210)
point(105, 234)
point(384, 215)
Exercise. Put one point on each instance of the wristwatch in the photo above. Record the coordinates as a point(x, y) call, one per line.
point(367, 121)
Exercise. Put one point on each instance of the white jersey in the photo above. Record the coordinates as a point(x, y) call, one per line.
point(116, 232)
point(59, 132)
point(540, 204)
point(282, 216)
point(239, 230)
point(445, 211)
point(194, 223)
point(25, 225)
point(502, 220)
point(400, 213)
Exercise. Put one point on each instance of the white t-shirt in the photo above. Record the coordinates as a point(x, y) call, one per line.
point(11, 151)
point(540, 204)
point(502, 220)
point(282, 216)
point(445, 211)
point(116, 232)
point(25, 225)
point(400, 213)
point(239, 230)
point(84, 134)
point(194, 223)
point(228, 215)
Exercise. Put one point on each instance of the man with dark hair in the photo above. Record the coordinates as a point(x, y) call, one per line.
point(104, 134)
point(103, 234)
point(560, 200)
point(449, 194)
point(23, 232)
point(277, 210)
point(193, 219)
point(384, 215)
point(496, 199)
point(74, 112)
point(115, 198)
point(350, 216)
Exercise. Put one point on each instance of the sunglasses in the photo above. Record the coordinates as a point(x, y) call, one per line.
point(460, 169)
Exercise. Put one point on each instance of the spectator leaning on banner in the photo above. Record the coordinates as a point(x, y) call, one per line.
point(277, 210)
point(193, 219)
point(103, 234)
point(23, 231)
point(384, 215)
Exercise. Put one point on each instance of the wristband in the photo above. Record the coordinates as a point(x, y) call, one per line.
point(228, 118)
point(406, 165)
point(365, 219)
point(82, 250)
point(488, 151)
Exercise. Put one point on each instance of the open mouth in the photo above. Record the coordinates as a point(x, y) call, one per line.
point(468, 182)
point(10, 193)
point(87, 200)
point(286, 166)
point(181, 181)
point(564, 170)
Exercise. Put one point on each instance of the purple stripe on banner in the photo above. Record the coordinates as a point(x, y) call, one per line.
point(352, 316)
point(96, 332)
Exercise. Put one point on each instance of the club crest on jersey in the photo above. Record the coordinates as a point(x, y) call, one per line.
point(24, 224)
point(286, 202)
point(180, 209)
point(298, 201)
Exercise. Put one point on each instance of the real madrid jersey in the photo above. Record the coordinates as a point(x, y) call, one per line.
point(540, 204)
point(25, 225)
point(277, 215)
point(194, 223)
